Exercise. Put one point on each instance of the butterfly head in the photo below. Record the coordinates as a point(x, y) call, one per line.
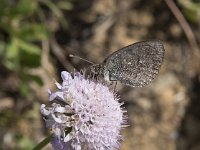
point(95, 71)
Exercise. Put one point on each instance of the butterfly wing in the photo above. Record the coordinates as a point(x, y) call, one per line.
point(135, 65)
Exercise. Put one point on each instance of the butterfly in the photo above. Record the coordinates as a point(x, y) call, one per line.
point(135, 65)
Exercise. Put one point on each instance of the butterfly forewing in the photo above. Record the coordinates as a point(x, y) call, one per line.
point(135, 65)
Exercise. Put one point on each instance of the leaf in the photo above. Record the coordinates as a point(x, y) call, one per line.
point(26, 79)
point(65, 5)
point(12, 49)
point(23, 8)
point(56, 11)
point(21, 54)
point(29, 47)
point(30, 60)
point(33, 32)
point(12, 55)
point(29, 54)
point(24, 88)
point(2, 48)
point(191, 10)
point(35, 78)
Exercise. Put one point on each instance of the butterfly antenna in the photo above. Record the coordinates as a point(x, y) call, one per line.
point(72, 56)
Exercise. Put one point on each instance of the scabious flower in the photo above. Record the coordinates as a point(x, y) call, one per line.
point(84, 115)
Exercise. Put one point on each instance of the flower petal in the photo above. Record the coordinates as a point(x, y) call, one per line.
point(66, 75)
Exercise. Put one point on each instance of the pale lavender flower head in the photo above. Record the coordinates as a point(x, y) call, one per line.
point(84, 115)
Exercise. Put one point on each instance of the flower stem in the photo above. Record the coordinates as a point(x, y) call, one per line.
point(43, 143)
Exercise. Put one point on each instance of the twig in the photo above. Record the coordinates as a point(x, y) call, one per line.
point(185, 26)
point(58, 52)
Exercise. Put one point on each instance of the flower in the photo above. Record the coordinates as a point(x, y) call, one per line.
point(84, 115)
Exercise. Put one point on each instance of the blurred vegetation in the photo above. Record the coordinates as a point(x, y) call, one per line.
point(26, 24)
point(190, 10)
point(23, 27)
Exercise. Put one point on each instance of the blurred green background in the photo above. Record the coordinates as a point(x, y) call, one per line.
point(37, 36)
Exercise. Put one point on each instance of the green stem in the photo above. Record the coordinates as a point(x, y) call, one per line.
point(43, 143)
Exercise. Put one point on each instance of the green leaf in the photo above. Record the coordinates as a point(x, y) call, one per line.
point(65, 5)
point(30, 60)
point(56, 11)
point(24, 88)
point(33, 32)
point(21, 54)
point(12, 49)
point(25, 84)
point(29, 54)
point(3, 7)
point(12, 55)
point(2, 48)
point(29, 47)
point(35, 78)
point(191, 10)
point(23, 8)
